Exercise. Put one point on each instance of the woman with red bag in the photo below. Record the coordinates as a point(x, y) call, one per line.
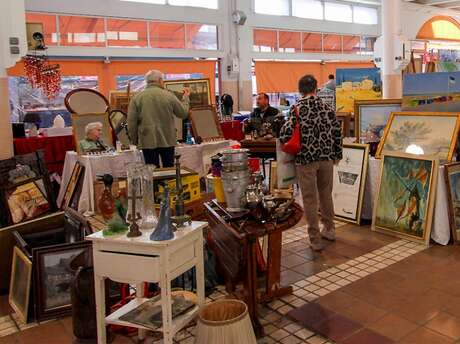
point(318, 147)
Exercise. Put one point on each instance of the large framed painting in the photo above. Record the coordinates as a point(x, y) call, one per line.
point(54, 268)
point(21, 277)
point(452, 177)
point(425, 133)
point(349, 182)
point(79, 123)
point(200, 90)
point(371, 117)
point(405, 196)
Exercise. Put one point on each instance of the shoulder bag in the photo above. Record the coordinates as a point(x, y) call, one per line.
point(294, 144)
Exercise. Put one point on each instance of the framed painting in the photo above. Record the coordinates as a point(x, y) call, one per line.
point(452, 177)
point(405, 197)
point(79, 123)
point(205, 123)
point(27, 201)
point(422, 133)
point(200, 90)
point(349, 182)
point(371, 117)
point(77, 171)
point(54, 268)
point(119, 100)
point(21, 277)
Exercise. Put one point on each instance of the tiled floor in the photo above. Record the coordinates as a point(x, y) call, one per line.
point(364, 288)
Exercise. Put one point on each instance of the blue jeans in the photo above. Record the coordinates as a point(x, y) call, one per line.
point(152, 156)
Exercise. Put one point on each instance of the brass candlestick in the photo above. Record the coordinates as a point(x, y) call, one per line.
point(180, 218)
point(135, 215)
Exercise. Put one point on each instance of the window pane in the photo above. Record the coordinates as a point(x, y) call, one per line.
point(82, 31)
point(338, 12)
point(273, 7)
point(367, 45)
point(201, 36)
point(312, 9)
point(289, 42)
point(311, 42)
point(265, 40)
point(351, 44)
point(49, 25)
point(126, 33)
point(365, 15)
point(195, 3)
point(332, 43)
point(167, 35)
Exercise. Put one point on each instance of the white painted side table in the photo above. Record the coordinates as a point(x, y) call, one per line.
point(139, 260)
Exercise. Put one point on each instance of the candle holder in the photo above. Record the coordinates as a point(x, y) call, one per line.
point(134, 195)
point(180, 218)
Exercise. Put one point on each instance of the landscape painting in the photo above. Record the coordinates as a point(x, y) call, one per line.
point(405, 199)
point(349, 182)
point(424, 133)
point(371, 118)
point(200, 91)
point(356, 84)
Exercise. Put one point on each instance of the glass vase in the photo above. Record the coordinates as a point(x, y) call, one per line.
point(149, 216)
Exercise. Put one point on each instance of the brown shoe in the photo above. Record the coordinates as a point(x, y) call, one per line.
point(317, 244)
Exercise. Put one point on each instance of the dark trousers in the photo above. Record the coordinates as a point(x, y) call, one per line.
point(152, 156)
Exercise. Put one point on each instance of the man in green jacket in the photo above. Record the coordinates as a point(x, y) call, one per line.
point(151, 120)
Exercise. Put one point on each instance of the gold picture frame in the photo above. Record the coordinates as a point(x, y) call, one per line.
point(351, 179)
point(79, 122)
point(20, 282)
point(420, 126)
point(200, 90)
point(403, 210)
point(371, 103)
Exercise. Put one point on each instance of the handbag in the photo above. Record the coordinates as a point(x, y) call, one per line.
point(294, 144)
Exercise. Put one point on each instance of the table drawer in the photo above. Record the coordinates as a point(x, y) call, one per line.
point(125, 267)
point(181, 257)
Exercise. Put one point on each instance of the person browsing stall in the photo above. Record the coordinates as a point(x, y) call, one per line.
point(151, 122)
point(321, 148)
point(263, 114)
point(93, 142)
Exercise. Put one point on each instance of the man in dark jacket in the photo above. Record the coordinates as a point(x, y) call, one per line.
point(262, 114)
point(321, 138)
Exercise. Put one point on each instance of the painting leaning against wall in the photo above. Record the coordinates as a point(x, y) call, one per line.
point(405, 199)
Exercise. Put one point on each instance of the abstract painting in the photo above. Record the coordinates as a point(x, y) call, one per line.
point(21, 277)
point(422, 133)
point(349, 182)
point(452, 175)
point(200, 91)
point(405, 198)
point(356, 84)
point(371, 117)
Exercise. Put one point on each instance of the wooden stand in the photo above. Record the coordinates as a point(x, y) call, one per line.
point(234, 240)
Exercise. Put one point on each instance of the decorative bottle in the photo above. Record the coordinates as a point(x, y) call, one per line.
point(106, 202)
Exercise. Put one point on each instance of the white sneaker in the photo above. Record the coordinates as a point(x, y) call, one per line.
point(328, 234)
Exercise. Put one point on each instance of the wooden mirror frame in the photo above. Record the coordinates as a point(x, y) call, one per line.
point(216, 121)
point(71, 93)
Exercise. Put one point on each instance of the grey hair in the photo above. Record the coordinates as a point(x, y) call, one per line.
point(153, 76)
point(93, 125)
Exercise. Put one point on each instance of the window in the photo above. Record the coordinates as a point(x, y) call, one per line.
point(126, 33)
point(265, 40)
point(201, 36)
point(332, 43)
point(213, 4)
point(351, 44)
point(273, 7)
point(167, 35)
point(338, 12)
point(289, 42)
point(312, 42)
point(49, 26)
point(367, 45)
point(365, 15)
point(82, 31)
point(312, 9)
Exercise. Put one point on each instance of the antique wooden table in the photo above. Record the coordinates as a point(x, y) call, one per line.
point(138, 260)
point(234, 241)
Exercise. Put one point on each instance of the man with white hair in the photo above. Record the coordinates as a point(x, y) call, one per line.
point(151, 122)
point(93, 142)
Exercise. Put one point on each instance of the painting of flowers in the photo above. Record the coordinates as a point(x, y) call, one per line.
point(421, 133)
point(405, 199)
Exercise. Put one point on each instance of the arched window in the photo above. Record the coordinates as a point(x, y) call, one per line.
point(440, 28)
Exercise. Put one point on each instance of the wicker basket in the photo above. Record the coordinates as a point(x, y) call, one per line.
point(225, 322)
